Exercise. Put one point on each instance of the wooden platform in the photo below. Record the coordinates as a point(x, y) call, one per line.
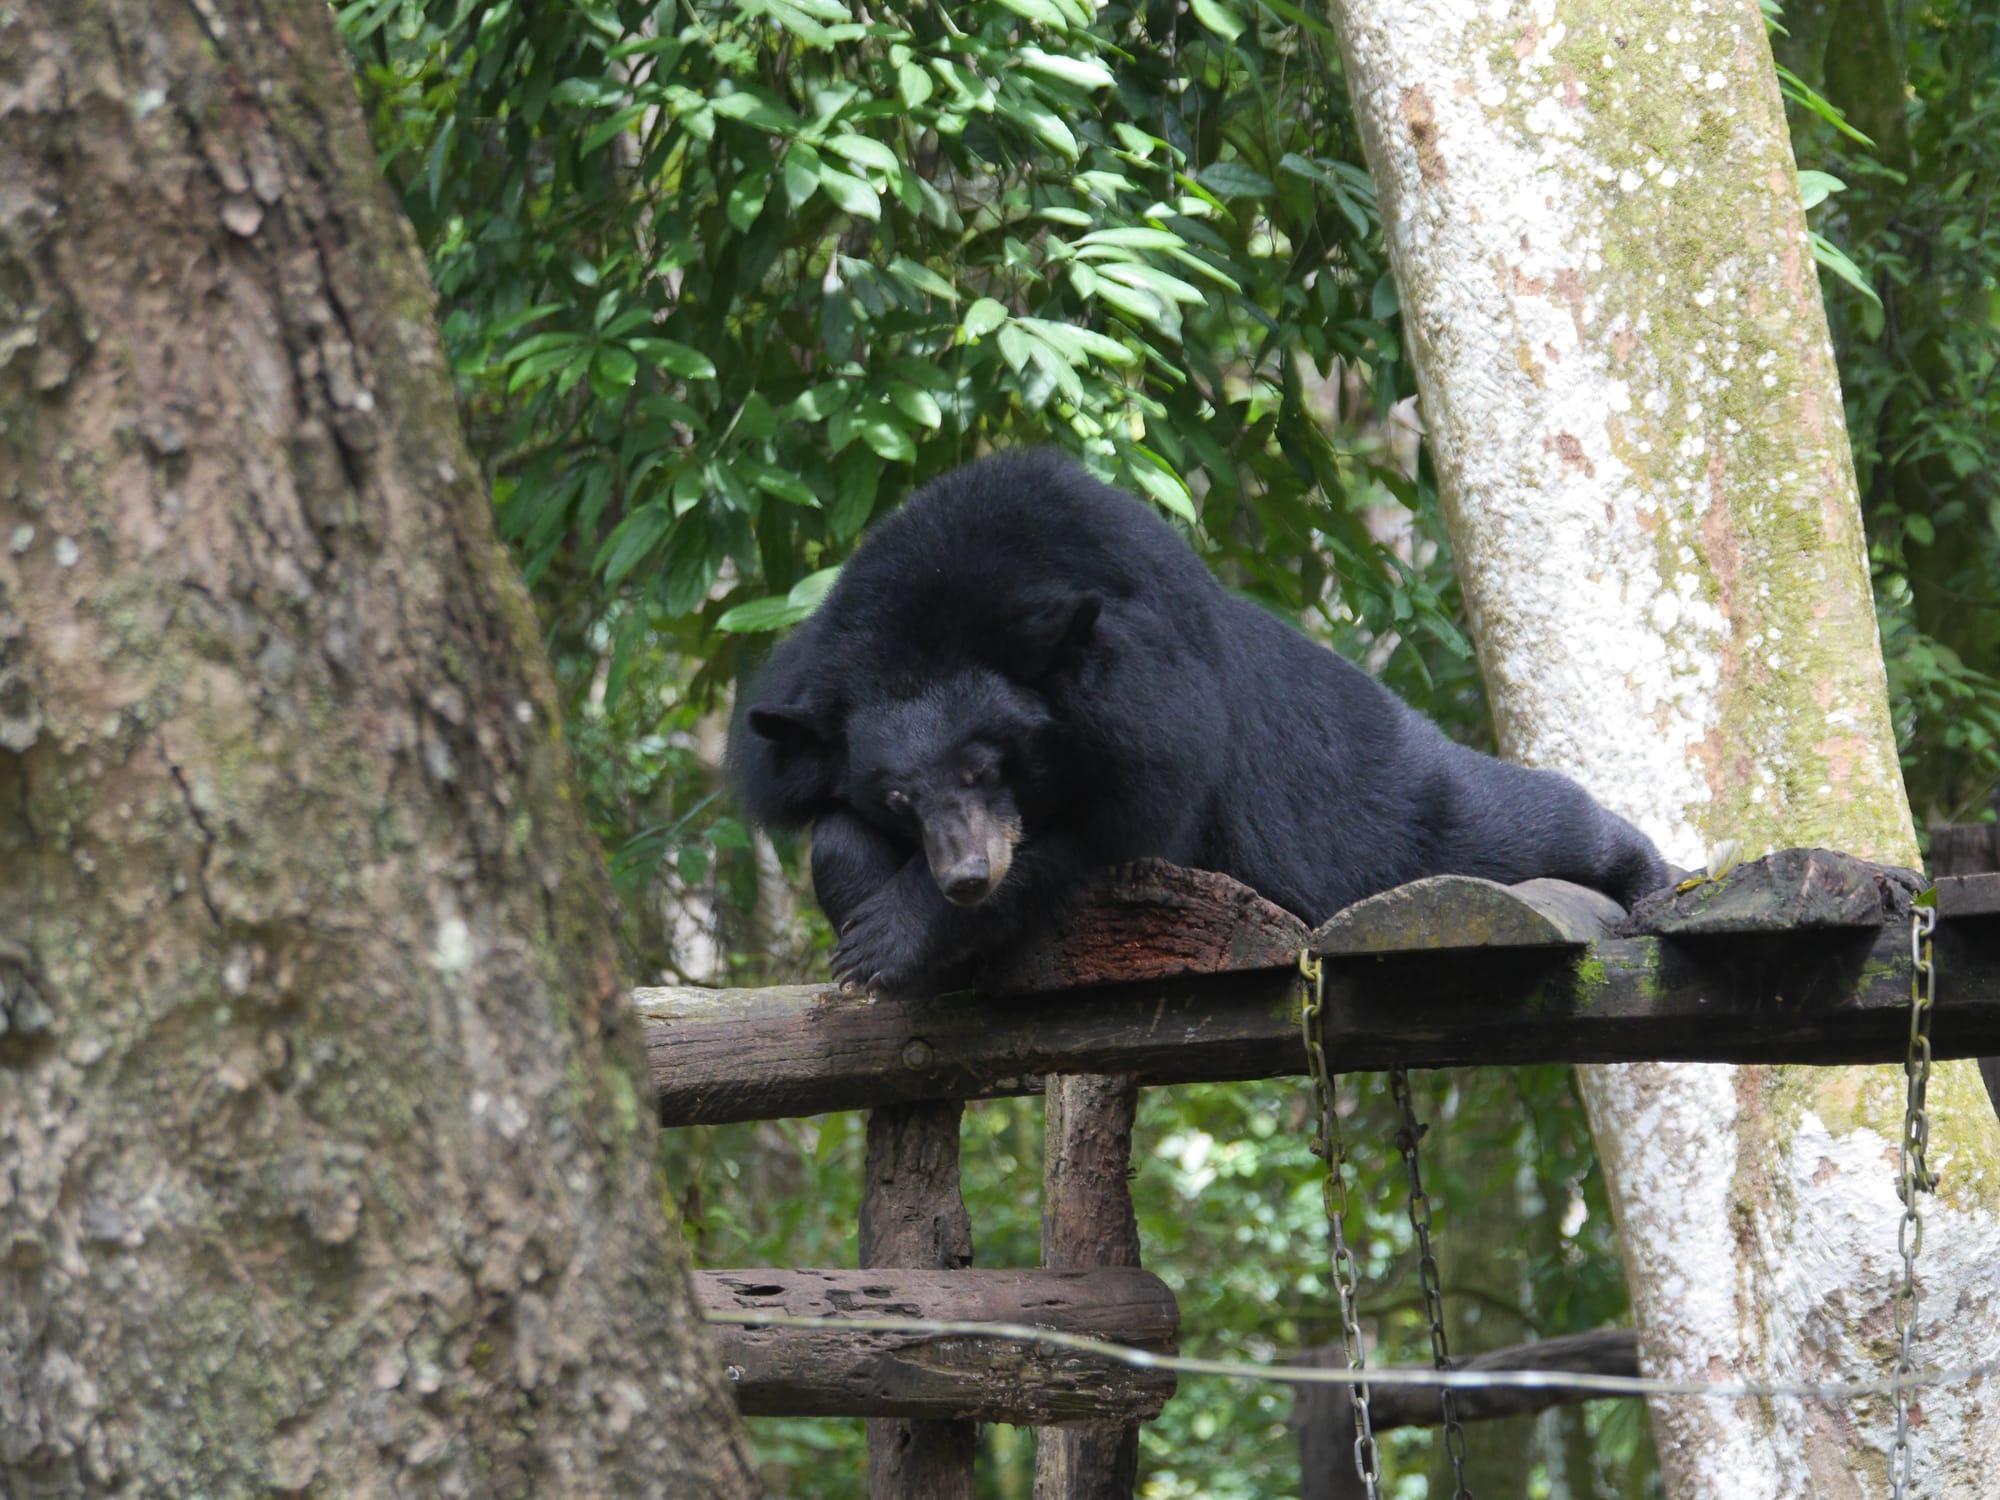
point(1177, 976)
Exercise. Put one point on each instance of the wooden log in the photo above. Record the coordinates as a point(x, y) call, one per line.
point(1604, 1351)
point(913, 1215)
point(738, 1055)
point(1449, 913)
point(1323, 1415)
point(948, 1381)
point(1088, 1221)
point(1153, 920)
point(1793, 890)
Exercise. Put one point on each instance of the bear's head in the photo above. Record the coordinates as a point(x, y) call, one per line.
point(959, 768)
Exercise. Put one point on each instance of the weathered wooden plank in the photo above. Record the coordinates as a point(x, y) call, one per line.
point(1793, 890)
point(1088, 1221)
point(1455, 912)
point(1964, 849)
point(1153, 920)
point(913, 1214)
point(1834, 997)
point(1969, 895)
point(946, 1381)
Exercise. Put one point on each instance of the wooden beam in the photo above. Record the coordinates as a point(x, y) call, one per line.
point(1605, 1351)
point(943, 1381)
point(1323, 1415)
point(1827, 991)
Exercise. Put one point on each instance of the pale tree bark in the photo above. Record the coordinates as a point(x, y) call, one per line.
point(324, 1164)
point(1627, 383)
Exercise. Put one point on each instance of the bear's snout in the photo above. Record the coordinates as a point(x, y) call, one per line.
point(967, 883)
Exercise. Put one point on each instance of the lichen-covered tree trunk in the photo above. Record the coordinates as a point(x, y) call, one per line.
point(323, 1166)
point(1637, 426)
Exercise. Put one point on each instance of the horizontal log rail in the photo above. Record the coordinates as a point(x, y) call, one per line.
point(820, 1372)
point(1604, 1351)
point(1181, 977)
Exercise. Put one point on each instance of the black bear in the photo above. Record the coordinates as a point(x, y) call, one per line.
point(1025, 676)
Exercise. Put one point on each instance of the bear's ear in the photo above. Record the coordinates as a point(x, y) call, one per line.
point(794, 727)
point(1074, 627)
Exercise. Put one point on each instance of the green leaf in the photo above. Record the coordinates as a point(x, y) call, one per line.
point(616, 367)
point(801, 173)
point(1045, 123)
point(757, 106)
point(1041, 11)
point(1084, 72)
point(849, 193)
point(1156, 281)
point(617, 125)
point(981, 318)
point(1814, 187)
point(674, 357)
point(746, 201)
point(1080, 344)
point(812, 588)
point(1382, 302)
point(631, 540)
point(1835, 260)
point(1133, 238)
point(1231, 179)
point(1218, 18)
point(919, 406)
point(923, 278)
point(888, 439)
point(1015, 347)
point(820, 402)
point(772, 613)
point(782, 483)
point(865, 151)
point(1919, 530)
point(914, 84)
point(1161, 483)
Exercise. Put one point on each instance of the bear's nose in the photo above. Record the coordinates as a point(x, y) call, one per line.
point(968, 882)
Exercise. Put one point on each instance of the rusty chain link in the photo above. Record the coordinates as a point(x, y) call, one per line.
point(1408, 1139)
point(1913, 1177)
point(1328, 1147)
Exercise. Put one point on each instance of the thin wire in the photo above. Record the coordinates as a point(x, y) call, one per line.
point(1458, 1380)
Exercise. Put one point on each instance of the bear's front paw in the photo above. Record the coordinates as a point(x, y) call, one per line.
point(879, 953)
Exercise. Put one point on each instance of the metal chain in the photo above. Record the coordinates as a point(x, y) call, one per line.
point(1914, 1177)
point(1407, 1140)
point(1328, 1147)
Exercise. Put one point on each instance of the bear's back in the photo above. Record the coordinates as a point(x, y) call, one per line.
point(977, 554)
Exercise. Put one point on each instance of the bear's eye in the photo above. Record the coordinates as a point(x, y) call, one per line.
point(985, 775)
point(897, 802)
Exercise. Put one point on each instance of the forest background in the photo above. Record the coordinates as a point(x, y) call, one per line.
point(721, 283)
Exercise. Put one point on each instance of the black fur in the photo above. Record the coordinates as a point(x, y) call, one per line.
point(1023, 642)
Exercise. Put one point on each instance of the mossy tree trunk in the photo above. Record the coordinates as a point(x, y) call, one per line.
point(1627, 384)
point(324, 1163)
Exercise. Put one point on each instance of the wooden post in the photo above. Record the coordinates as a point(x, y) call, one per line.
point(1969, 849)
point(1323, 1422)
point(1088, 1221)
point(912, 1215)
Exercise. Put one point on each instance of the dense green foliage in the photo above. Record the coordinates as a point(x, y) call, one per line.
point(1918, 368)
point(721, 282)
